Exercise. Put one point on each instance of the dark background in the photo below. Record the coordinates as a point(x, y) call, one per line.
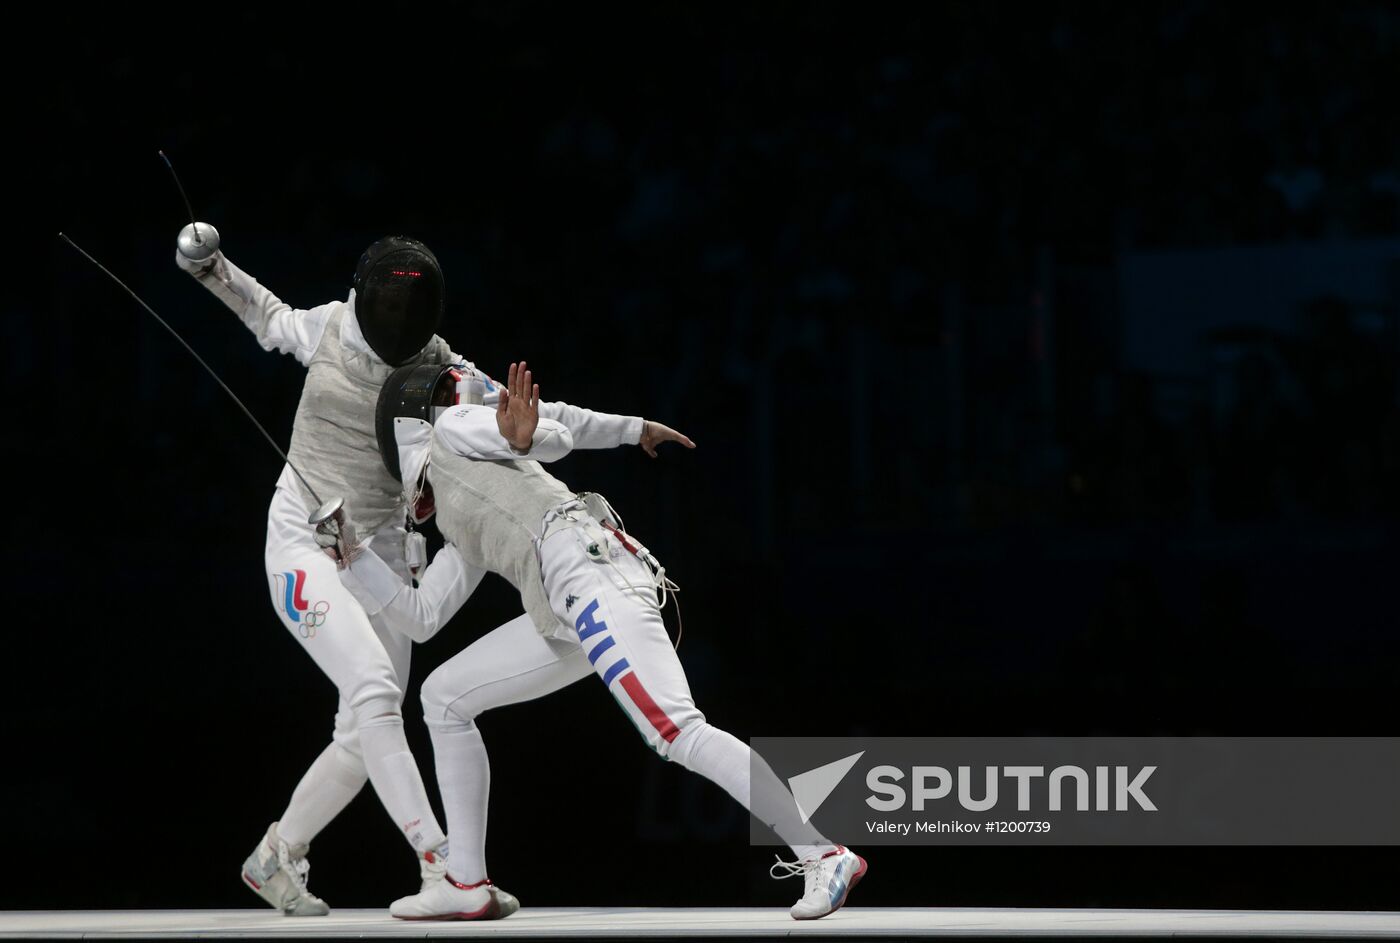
point(1042, 362)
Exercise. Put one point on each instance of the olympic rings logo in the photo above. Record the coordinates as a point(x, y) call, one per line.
point(313, 619)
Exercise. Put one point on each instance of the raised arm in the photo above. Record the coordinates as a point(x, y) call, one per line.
point(590, 429)
point(473, 432)
point(277, 326)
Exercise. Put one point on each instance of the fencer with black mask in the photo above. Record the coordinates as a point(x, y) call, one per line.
point(349, 348)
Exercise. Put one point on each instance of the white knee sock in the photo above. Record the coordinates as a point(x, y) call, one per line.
point(464, 776)
point(397, 781)
point(335, 778)
point(725, 760)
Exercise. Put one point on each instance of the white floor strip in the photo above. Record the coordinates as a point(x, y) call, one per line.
point(660, 922)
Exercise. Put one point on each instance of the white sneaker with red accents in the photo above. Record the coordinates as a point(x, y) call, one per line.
point(446, 899)
point(827, 880)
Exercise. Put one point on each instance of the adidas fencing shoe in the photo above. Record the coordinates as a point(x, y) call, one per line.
point(277, 873)
point(827, 881)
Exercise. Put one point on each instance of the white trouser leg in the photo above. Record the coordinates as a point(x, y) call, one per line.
point(464, 779)
point(366, 662)
point(334, 778)
point(728, 761)
point(609, 599)
point(508, 665)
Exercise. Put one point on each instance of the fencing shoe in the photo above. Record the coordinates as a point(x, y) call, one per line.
point(827, 878)
point(277, 873)
point(447, 899)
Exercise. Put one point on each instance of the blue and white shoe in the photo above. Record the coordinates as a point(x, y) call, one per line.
point(277, 872)
point(827, 880)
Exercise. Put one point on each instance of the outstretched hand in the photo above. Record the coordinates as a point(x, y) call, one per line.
point(654, 433)
point(518, 409)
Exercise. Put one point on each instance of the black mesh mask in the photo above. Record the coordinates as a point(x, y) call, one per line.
point(398, 298)
point(411, 392)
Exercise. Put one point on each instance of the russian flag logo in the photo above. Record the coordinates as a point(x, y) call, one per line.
point(290, 585)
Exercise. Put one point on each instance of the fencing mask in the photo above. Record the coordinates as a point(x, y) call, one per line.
point(398, 297)
point(421, 392)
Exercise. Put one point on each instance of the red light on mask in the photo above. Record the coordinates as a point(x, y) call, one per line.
point(406, 274)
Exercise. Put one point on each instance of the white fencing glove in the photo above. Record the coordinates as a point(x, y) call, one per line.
point(336, 536)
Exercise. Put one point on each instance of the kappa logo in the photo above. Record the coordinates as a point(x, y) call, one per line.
point(288, 587)
point(569, 603)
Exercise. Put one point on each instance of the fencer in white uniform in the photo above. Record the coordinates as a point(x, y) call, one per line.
point(349, 349)
point(595, 595)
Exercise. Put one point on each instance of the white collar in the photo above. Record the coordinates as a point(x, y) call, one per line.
point(414, 438)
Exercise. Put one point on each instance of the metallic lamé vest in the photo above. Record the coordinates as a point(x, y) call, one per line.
point(491, 511)
point(333, 437)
